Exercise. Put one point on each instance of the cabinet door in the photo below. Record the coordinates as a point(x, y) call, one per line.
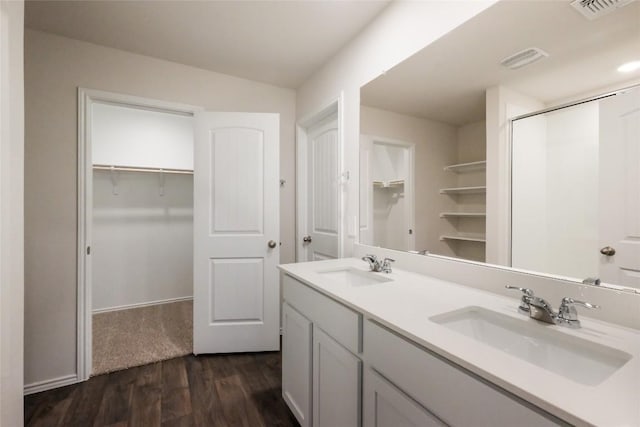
point(336, 383)
point(387, 406)
point(296, 364)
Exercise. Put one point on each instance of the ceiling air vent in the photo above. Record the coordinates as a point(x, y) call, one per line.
point(593, 9)
point(524, 57)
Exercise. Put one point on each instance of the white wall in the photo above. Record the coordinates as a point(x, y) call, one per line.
point(529, 194)
point(142, 236)
point(125, 136)
point(555, 192)
point(401, 30)
point(502, 104)
point(11, 212)
point(435, 147)
point(54, 68)
point(142, 247)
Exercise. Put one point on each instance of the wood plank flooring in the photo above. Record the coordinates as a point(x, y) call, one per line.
point(209, 390)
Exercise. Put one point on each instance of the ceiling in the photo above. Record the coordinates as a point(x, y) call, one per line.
point(276, 42)
point(446, 81)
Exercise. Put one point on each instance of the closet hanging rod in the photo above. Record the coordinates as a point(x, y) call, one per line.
point(142, 169)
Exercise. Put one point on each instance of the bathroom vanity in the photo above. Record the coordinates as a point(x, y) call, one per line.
point(406, 349)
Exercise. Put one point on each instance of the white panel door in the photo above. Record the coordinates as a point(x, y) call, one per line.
point(236, 233)
point(323, 196)
point(336, 383)
point(296, 363)
point(620, 188)
point(387, 406)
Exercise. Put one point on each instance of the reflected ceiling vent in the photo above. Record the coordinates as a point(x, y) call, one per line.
point(524, 57)
point(593, 9)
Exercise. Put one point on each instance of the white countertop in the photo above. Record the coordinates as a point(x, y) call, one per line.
point(406, 303)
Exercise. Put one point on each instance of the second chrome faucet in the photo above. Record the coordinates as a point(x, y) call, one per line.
point(378, 265)
point(539, 309)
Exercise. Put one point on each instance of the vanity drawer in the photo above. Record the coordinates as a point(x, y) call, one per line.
point(453, 395)
point(338, 321)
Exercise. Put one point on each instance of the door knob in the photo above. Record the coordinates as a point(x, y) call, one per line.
point(272, 244)
point(306, 239)
point(608, 251)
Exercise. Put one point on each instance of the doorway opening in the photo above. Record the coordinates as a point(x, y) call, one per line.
point(135, 231)
point(387, 207)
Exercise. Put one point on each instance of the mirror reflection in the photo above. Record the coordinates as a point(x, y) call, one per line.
point(576, 190)
point(436, 148)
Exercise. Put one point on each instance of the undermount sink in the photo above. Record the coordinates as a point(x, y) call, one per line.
point(354, 277)
point(574, 358)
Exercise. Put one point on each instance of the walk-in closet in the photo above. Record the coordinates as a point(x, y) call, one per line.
point(142, 235)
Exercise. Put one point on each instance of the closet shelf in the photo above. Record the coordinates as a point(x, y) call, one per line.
point(463, 215)
point(464, 190)
point(142, 169)
point(464, 238)
point(390, 183)
point(467, 167)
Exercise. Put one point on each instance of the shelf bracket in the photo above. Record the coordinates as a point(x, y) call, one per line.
point(114, 180)
point(161, 178)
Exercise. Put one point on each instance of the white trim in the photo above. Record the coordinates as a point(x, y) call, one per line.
point(50, 384)
point(335, 107)
point(141, 304)
point(86, 98)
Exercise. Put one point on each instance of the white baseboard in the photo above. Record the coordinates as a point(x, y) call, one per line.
point(50, 384)
point(141, 304)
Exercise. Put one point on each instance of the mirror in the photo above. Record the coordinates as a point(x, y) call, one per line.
point(439, 165)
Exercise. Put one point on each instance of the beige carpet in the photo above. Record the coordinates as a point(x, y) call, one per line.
point(134, 337)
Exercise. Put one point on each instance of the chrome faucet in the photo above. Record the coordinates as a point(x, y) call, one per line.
point(377, 265)
point(567, 313)
point(539, 309)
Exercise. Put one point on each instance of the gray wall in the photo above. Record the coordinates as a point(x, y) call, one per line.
point(54, 68)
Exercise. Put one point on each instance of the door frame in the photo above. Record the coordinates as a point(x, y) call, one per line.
point(86, 99)
point(336, 106)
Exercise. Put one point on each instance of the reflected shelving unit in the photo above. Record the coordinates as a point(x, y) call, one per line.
point(469, 215)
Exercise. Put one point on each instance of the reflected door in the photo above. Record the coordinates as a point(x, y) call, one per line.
point(236, 233)
point(323, 196)
point(620, 189)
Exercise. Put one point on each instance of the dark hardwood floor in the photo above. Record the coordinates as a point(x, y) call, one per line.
point(215, 390)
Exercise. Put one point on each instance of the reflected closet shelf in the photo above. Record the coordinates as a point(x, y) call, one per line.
point(141, 169)
point(465, 238)
point(467, 167)
point(463, 215)
point(390, 183)
point(464, 190)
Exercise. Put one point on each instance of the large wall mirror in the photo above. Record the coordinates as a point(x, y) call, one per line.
point(571, 165)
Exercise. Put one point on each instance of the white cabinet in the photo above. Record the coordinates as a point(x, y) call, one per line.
point(336, 383)
point(296, 356)
point(453, 395)
point(328, 347)
point(387, 406)
point(321, 374)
